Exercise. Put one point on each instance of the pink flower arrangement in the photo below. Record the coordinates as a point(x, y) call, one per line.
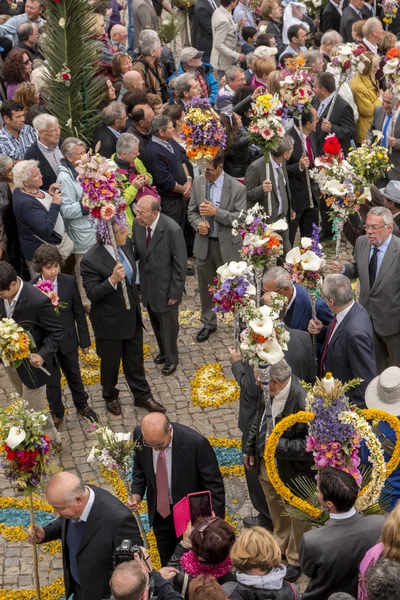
point(47, 288)
point(340, 456)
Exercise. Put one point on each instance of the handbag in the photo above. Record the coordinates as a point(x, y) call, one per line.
point(65, 247)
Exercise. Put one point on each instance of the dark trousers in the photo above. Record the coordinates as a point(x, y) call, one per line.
point(164, 531)
point(175, 208)
point(69, 363)
point(78, 594)
point(304, 220)
point(166, 328)
point(387, 351)
point(131, 352)
point(326, 225)
point(256, 492)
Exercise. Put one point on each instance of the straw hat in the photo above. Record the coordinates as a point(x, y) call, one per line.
point(383, 393)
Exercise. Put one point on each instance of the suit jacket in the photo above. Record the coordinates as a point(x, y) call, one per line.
point(382, 301)
point(202, 36)
point(72, 317)
point(253, 180)
point(330, 18)
point(233, 201)
point(144, 16)
point(162, 265)
point(166, 168)
point(377, 124)
point(349, 16)
point(49, 176)
point(297, 179)
point(331, 555)
point(108, 314)
point(224, 31)
point(366, 97)
point(109, 523)
point(342, 121)
point(107, 139)
point(350, 352)
point(194, 469)
point(302, 314)
point(35, 313)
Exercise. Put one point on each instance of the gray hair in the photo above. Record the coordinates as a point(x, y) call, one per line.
point(25, 30)
point(380, 211)
point(69, 145)
point(5, 161)
point(128, 581)
point(159, 122)
point(285, 145)
point(148, 41)
point(337, 287)
point(77, 490)
point(281, 371)
point(313, 57)
point(370, 24)
point(22, 170)
point(230, 73)
point(182, 83)
point(382, 580)
point(114, 111)
point(125, 143)
point(39, 77)
point(41, 121)
point(331, 38)
point(341, 596)
point(249, 58)
point(279, 275)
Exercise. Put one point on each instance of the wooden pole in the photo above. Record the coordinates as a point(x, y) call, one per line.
point(35, 557)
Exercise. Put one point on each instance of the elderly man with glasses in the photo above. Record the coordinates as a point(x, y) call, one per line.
point(46, 150)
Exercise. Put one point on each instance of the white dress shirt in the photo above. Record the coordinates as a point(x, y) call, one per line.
point(279, 401)
point(293, 298)
point(85, 514)
point(345, 515)
point(215, 198)
point(153, 225)
point(370, 46)
point(168, 460)
point(9, 306)
point(325, 103)
point(339, 318)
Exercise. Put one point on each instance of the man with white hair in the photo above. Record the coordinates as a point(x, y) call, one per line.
point(46, 150)
point(373, 33)
point(187, 88)
point(119, 37)
point(148, 64)
point(329, 40)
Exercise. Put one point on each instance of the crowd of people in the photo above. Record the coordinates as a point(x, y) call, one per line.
point(236, 52)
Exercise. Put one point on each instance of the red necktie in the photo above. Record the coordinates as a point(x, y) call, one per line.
point(163, 506)
point(326, 344)
point(309, 152)
point(148, 236)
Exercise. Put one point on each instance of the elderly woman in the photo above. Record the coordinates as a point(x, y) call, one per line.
point(9, 244)
point(366, 94)
point(76, 217)
point(17, 68)
point(37, 213)
point(135, 177)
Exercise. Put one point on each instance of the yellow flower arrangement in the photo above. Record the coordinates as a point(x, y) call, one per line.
point(211, 388)
point(380, 415)
point(47, 592)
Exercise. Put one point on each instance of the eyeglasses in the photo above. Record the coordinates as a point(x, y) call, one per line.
point(159, 446)
point(374, 227)
point(209, 171)
point(26, 62)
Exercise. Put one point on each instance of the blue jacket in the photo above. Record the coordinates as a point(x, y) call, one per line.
point(302, 310)
point(206, 72)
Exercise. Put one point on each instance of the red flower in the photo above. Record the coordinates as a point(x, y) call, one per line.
point(332, 145)
point(66, 76)
point(95, 212)
point(347, 64)
point(10, 454)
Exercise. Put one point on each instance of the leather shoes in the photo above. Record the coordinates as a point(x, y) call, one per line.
point(292, 573)
point(257, 522)
point(113, 406)
point(159, 359)
point(204, 334)
point(168, 369)
point(151, 405)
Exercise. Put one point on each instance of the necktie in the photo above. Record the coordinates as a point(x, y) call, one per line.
point(309, 152)
point(74, 536)
point(282, 189)
point(163, 506)
point(148, 236)
point(264, 431)
point(373, 267)
point(170, 148)
point(321, 109)
point(385, 131)
point(127, 266)
point(326, 344)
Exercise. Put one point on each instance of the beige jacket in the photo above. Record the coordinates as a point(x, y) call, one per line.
point(224, 30)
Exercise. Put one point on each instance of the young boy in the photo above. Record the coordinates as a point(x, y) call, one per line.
point(249, 34)
point(48, 262)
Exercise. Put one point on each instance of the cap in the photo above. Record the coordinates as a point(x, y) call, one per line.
point(189, 53)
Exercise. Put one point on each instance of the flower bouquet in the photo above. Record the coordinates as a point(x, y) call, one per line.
point(348, 60)
point(370, 162)
point(266, 129)
point(16, 346)
point(103, 200)
point(114, 452)
point(389, 8)
point(47, 288)
point(391, 71)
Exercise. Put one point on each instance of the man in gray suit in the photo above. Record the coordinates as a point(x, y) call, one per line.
point(382, 121)
point(224, 32)
point(214, 243)
point(144, 17)
point(376, 262)
point(160, 247)
point(331, 555)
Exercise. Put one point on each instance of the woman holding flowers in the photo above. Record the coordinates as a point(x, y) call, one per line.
point(366, 94)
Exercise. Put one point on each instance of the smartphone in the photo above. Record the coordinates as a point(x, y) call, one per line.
point(199, 505)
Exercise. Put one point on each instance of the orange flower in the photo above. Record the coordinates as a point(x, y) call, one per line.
point(273, 242)
point(393, 53)
point(257, 338)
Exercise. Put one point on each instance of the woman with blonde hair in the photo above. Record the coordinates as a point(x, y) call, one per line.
point(262, 67)
point(366, 94)
point(256, 559)
point(357, 31)
point(388, 547)
point(274, 82)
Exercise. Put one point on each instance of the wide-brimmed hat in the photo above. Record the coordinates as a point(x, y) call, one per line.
point(392, 191)
point(383, 392)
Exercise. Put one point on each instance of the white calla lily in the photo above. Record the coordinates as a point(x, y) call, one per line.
point(391, 66)
point(257, 243)
point(271, 352)
point(224, 272)
point(244, 347)
point(265, 311)
point(335, 188)
point(92, 456)
point(311, 262)
point(251, 290)
point(306, 242)
point(16, 435)
point(263, 326)
point(237, 268)
point(293, 256)
point(279, 225)
point(122, 437)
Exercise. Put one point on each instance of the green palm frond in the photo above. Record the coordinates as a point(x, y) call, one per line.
point(169, 28)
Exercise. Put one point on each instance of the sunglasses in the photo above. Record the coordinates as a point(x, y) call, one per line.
point(201, 528)
point(26, 62)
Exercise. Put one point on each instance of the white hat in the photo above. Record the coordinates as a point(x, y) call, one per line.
point(383, 393)
point(265, 51)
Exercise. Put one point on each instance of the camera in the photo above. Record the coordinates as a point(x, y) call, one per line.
point(125, 552)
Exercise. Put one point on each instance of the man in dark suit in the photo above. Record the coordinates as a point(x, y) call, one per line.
point(34, 312)
point(391, 199)
point(348, 343)
point(174, 461)
point(298, 313)
point(331, 555)
point(382, 122)
point(92, 523)
point(118, 331)
point(114, 118)
point(159, 245)
point(163, 159)
point(330, 16)
point(351, 14)
point(46, 150)
point(201, 29)
point(305, 207)
point(141, 117)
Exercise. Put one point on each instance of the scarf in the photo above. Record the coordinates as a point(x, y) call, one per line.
point(271, 581)
point(193, 566)
point(65, 162)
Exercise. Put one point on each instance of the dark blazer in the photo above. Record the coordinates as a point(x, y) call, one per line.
point(201, 30)
point(49, 176)
point(35, 313)
point(108, 314)
point(301, 314)
point(107, 139)
point(34, 220)
point(377, 124)
point(277, 31)
point(109, 523)
point(194, 469)
point(297, 179)
point(330, 18)
point(331, 555)
point(350, 352)
point(142, 137)
point(162, 264)
point(166, 168)
point(292, 458)
point(72, 317)
point(349, 16)
point(254, 178)
point(342, 121)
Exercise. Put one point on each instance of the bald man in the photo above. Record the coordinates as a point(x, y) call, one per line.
point(91, 524)
point(135, 580)
point(119, 37)
point(131, 81)
point(174, 461)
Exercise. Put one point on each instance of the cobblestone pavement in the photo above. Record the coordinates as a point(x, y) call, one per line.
point(173, 392)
